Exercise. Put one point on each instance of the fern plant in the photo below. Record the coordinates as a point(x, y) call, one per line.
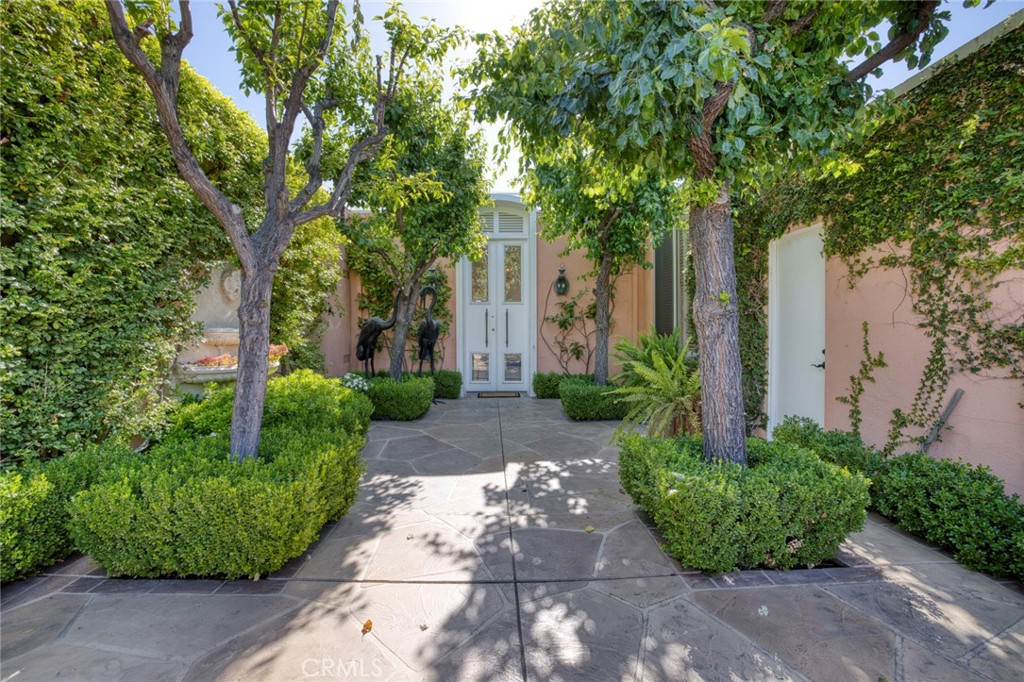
point(646, 343)
point(660, 388)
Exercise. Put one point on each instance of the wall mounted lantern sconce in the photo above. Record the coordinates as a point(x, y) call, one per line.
point(561, 284)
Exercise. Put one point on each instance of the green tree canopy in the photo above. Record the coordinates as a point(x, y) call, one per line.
point(613, 219)
point(720, 95)
point(423, 194)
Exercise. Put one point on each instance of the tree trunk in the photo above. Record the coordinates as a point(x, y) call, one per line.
point(602, 319)
point(406, 308)
point(253, 361)
point(716, 318)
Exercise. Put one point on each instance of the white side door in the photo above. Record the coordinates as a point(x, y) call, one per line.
point(496, 327)
point(796, 327)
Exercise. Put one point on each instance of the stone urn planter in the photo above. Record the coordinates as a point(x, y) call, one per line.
point(193, 378)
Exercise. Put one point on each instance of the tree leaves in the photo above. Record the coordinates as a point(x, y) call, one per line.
point(662, 62)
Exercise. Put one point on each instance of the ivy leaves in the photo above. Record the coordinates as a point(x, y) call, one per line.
point(104, 247)
point(939, 181)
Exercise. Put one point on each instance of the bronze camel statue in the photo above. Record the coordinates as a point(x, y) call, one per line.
point(371, 330)
point(430, 329)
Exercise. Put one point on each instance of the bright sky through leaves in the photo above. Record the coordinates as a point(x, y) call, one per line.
point(209, 53)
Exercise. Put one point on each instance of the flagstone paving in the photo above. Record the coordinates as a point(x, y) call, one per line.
point(491, 541)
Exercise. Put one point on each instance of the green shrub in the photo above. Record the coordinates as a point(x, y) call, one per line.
point(951, 504)
point(648, 344)
point(447, 384)
point(786, 509)
point(403, 400)
point(659, 387)
point(1017, 556)
point(545, 384)
point(958, 507)
point(34, 508)
point(30, 528)
point(186, 509)
point(302, 400)
point(583, 401)
point(838, 447)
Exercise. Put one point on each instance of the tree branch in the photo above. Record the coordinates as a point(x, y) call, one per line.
point(360, 152)
point(774, 10)
point(607, 220)
point(163, 83)
point(804, 22)
point(367, 147)
point(315, 181)
point(701, 140)
point(270, 93)
point(279, 202)
point(909, 33)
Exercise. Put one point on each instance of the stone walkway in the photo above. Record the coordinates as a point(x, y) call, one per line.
point(491, 541)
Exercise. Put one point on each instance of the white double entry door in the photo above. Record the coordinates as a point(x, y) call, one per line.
point(496, 318)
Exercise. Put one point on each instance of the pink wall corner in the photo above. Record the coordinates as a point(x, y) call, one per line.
point(987, 426)
point(338, 343)
point(632, 309)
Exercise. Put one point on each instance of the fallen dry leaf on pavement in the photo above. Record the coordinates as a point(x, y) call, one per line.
point(367, 626)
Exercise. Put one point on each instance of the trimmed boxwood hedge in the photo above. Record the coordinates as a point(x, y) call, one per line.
point(186, 509)
point(29, 528)
point(786, 509)
point(583, 401)
point(838, 447)
point(34, 507)
point(545, 384)
point(960, 508)
point(448, 384)
point(403, 400)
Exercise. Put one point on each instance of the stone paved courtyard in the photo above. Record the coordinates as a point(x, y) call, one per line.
point(491, 541)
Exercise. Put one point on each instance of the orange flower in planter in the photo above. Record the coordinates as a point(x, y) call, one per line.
point(276, 352)
point(218, 361)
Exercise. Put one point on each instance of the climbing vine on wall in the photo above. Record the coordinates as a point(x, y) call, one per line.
point(940, 184)
point(102, 246)
point(568, 331)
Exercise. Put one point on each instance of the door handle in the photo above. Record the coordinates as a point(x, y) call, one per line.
point(820, 366)
point(487, 324)
point(506, 327)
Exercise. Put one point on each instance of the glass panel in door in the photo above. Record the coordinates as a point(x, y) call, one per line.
point(513, 273)
point(479, 280)
point(481, 367)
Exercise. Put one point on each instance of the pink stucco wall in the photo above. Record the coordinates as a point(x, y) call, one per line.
point(632, 305)
point(987, 426)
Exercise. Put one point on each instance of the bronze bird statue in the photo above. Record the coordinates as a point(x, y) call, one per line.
point(430, 329)
point(371, 330)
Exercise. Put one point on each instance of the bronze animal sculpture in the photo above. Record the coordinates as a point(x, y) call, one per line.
point(430, 329)
point(371, 330)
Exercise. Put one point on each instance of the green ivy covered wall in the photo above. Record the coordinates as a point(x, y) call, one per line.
point(940, 183)
point(103, 247)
